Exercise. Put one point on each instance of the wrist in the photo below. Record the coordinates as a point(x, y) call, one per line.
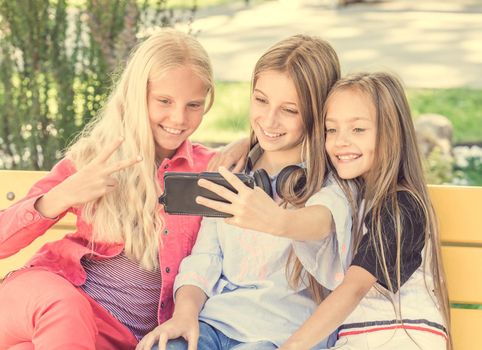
point(283, 227)
point(49, 205)
point(186, 313)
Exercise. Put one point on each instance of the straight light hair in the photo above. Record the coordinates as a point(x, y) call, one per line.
point(130, 214)
point(397, 167)
point(313, 66)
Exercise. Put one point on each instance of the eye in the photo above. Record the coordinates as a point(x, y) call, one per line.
point(330, 130)
point(291, 111)
point(194, 105)
point(260, 99)
point(358, 130)
point(164, 101)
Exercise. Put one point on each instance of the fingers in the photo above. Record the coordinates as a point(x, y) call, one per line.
point(192, 344)
point(227, 161)
point(150, 339)
point(123, 164)
point(233, 180)
point(109, 150)
point(239, 166)
point(147, 342)
point(216, 205)
point(214, 162)
point(163, 339)
point(221, 191)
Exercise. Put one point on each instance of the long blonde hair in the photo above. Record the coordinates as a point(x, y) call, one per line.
point(130, 213)
point(313, 66)
point(397, 167)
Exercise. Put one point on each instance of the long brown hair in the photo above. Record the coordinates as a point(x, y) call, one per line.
point(313, 66)
point(397, 167)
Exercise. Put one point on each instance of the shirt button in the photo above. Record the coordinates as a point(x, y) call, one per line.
point(29, 216)
point(162, 305)
point(168, 269)
point(166, 166)
point(165, 231)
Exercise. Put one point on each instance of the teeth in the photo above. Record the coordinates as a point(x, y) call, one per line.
point(347, 156)
point(171, 130)
point(272, 135)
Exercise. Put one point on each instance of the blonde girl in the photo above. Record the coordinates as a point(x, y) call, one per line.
point(108, 283)
point(233, 292)
point(393, 295)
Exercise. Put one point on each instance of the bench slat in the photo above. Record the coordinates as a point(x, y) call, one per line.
point(459, 213)
point(466, 329)
point(463, 266)
point(19, 182)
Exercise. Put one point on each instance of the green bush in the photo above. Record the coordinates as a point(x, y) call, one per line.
point(438, 167)
point(57, 60)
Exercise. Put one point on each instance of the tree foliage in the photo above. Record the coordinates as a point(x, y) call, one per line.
point(57, 60)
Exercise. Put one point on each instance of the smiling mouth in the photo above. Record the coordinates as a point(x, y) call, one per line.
point(171, 131)
point(271, 135)
point(347, 157)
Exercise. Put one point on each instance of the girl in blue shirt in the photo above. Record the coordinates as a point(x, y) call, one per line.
point(246, 285)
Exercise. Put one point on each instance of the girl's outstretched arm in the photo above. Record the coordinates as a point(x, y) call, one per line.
point(331, 313)
point(254, 209)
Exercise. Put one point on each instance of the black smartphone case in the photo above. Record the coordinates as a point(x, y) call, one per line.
point(181, 190)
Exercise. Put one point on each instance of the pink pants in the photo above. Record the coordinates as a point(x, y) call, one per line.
point(41, 310)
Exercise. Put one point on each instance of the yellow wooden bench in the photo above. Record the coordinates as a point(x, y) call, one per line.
point(459, 210)
point(14, 185)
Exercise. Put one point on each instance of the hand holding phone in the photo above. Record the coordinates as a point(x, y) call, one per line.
point(181, 190)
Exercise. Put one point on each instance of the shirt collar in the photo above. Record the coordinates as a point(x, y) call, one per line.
point(184, 151)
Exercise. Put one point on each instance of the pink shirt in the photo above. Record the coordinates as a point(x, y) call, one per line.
point(21, 223)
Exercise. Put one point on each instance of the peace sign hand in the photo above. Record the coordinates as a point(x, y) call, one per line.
point(89, 183)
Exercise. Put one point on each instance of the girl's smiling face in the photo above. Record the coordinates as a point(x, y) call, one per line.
point(351, 131)
point(275, 116)
point(175, 104)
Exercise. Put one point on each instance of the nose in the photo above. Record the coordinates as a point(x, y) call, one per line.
point(178, 115)
point(342, 139)
point(270, 119)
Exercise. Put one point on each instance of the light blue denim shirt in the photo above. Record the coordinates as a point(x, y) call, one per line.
point(243, 272)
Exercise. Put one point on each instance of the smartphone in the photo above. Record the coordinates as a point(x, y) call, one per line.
point(181, 190)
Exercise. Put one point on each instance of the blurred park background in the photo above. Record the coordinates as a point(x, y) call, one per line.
point(59, 58)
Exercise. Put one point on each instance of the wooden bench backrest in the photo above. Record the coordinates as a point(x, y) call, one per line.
point(18, 183)
point(459, 210)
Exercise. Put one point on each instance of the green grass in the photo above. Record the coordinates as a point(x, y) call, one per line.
point(228, 119)
point(462, 106)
